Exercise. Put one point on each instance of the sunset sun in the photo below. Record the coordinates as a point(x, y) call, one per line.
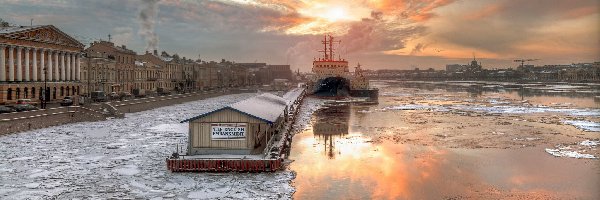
point(336, 14)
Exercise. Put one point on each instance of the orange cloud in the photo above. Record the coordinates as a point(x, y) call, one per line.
point(580, 12)
point(485, 12)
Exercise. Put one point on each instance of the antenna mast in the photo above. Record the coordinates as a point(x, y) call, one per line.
point(331, 48)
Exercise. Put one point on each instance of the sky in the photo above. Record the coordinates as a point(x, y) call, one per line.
point(378, 34)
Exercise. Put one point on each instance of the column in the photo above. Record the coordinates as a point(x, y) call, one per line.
point(56, 74)
point(19, 64)
point(72, 66)
point(62, 66)
point(50, 67)
point(42, 65)
point(68, 72)
point(78, 69)
point(11, 64)
point(2, 64)
point(26, 63)
point(34, 71)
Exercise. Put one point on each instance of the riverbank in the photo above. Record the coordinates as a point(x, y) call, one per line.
point(31, 120)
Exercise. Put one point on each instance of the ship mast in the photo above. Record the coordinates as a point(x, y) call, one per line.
point(331, 48)
point(328, 50)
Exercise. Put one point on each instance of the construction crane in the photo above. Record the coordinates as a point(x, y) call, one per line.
point(522, 61)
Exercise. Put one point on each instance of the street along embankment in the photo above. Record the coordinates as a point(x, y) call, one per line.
point(30, 120)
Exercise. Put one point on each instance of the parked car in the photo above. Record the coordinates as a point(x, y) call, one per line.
point(6, 109)
point(139, 92)
point(113, 95)
point(125, 94)
point(25, 107)
point(162, 91)
point(24, 101)
point(98, 96)
point(67, 101)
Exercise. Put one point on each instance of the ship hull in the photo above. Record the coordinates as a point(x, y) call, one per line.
point(332, 87)
point(372, 94)
point(339, 87)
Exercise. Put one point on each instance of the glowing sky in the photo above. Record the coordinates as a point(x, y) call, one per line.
point(397, 34)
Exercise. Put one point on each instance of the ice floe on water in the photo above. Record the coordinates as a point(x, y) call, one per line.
point(174, 128)
point(584, 125)
point(527, 110)
point(500, 109)
point(589, 143)
point(412, 107)
point(574, 151)
point(567, 153)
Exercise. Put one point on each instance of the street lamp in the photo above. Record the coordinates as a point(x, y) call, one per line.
point(44, 91)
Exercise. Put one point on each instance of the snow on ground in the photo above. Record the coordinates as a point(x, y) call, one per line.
point(123, 158)
point(584, 125)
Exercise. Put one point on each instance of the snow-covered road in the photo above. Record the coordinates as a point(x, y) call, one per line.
point(122, 158)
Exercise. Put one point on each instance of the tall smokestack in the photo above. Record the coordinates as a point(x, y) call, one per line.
point(147, 20)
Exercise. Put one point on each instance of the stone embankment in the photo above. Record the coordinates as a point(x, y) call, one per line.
point(30, 120)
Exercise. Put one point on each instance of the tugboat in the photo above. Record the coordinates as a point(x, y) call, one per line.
point(333, 78)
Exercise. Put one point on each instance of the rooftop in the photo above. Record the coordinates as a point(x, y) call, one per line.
point(266, 107)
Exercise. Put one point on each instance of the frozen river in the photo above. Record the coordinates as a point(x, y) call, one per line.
point(417, 143)
point(444, 141)
point(122, 158)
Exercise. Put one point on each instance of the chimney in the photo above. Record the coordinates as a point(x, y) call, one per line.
point(155, 52)
point(123, 46)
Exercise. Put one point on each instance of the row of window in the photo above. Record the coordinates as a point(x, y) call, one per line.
point(331, 66)
point(27, 93)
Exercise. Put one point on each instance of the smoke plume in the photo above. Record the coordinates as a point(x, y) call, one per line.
point(147, 20)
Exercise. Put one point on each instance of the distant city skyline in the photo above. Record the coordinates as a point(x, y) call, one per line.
point(380, 34)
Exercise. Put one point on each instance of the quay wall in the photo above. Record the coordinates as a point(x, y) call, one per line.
point(142, 104)
point(29, 120)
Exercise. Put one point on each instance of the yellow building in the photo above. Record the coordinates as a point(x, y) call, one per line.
point(31, 56)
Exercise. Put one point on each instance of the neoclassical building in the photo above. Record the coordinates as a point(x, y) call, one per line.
point(33, 55)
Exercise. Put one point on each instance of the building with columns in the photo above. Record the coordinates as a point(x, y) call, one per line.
point(33, 55)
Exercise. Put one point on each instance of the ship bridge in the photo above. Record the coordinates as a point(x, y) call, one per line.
point(333, 76)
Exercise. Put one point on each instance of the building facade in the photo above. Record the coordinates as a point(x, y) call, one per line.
point(34, 57)
point(98, 73)
point(125, 63)
point(151, 72)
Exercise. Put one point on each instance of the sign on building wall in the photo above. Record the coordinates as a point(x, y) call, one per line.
point(228, 131)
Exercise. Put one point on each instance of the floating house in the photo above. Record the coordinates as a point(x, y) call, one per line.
point(245, 127)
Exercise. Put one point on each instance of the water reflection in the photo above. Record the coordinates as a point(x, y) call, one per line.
point(337, 160)
point(330, 124)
